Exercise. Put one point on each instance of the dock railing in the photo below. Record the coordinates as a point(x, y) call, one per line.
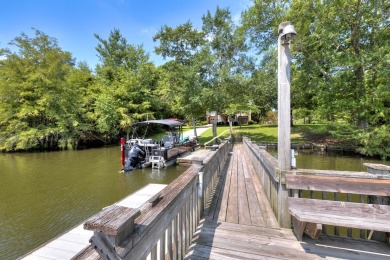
point(163, 227)
point(266, 168)
point(372, 187)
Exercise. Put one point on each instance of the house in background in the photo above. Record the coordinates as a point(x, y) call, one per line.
point(241, 118)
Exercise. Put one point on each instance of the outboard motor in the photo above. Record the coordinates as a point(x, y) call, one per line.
point(134, 158)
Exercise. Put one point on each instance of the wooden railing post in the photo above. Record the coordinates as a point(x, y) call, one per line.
point(378, 170)
point(111, 227)
point(284, 127)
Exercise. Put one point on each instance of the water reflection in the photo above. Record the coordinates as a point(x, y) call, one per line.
point(321, 160)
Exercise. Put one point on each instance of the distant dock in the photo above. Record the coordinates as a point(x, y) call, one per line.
point(198, 155)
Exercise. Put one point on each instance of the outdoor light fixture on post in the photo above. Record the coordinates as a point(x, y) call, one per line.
point(286, 34)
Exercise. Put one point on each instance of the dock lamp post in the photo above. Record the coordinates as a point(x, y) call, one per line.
point(286, 34)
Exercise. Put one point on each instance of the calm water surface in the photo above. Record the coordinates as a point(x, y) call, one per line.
point(45, 194)
point(307, 159)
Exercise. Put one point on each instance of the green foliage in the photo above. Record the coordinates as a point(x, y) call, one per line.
point(127, 80)
point(340, 62)
point(37, 102)
point(375, 141)
point(339, 76)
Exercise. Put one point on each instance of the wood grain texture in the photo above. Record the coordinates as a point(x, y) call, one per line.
point(338, 213)
point(378, 187)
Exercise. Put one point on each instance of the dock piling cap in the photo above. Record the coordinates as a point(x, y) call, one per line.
point(377, 169)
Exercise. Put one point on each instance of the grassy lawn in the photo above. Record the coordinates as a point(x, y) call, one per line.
point(208, 135)
point(269, 133)
point(266, 133)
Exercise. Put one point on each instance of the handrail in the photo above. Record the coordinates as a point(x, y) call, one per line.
point(167, 222)
point(206, 143)
point(372, 186)
point(269, 162)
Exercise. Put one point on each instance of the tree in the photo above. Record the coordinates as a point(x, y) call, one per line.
point(183, 85)
point(127, 80)
point(37, 108)
point(226, 47)
point(341, 64)
point(339, 61)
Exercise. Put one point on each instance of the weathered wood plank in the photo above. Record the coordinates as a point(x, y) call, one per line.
point(376, 187)
point(242, 195)
point(207, 252)
point(267, 214)
point(225, 191)
point(298, 227)
point(347, 248)
point(255, 238)
point(313, 230)
point(333, 173)
point(256, 217)
point(215, 208)
point(266, 249)
point(112, 220)
point(267, 161)
point(266, 231)
point(347, 214)
point(232, 209)
point(341, 208)
point(158, 217)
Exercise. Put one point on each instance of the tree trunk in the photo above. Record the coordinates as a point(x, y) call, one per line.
point(194, 125)
point(215, 124)
point(231, 127)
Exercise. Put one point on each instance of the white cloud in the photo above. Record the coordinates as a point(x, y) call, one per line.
point(149, 31)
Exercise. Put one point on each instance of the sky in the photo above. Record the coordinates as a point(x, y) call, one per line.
point(74, 22)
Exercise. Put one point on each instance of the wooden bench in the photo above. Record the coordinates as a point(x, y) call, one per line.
point(309, 214)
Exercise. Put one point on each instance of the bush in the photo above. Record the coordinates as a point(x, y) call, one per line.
point(251, 122)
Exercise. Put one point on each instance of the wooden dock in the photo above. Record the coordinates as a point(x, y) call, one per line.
point(198, 155)
point(239, 224)
point(71, 243)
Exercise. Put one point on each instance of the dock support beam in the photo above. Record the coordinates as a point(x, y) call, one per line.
point(286, 33)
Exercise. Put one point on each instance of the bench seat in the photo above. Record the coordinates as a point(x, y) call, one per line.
point(338, 213)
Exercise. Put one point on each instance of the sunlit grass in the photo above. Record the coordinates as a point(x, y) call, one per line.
point(259, 133)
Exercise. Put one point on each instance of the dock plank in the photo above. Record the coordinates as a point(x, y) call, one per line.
point(232, 206)
point(198, 155)
point(243, 204)
point(226, 187)
point(262, 238)
point(240, 243)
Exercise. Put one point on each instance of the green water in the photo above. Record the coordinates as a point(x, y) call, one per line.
point(45, 194)
point(310, 159)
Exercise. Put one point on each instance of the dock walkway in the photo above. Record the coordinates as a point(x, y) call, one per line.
point(239, 224)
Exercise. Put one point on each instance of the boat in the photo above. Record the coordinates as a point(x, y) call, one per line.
point(138, 152)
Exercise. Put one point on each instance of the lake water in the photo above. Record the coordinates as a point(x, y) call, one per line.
point(45, 194)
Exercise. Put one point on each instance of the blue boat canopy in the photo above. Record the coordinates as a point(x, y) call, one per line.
point(168, 122)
